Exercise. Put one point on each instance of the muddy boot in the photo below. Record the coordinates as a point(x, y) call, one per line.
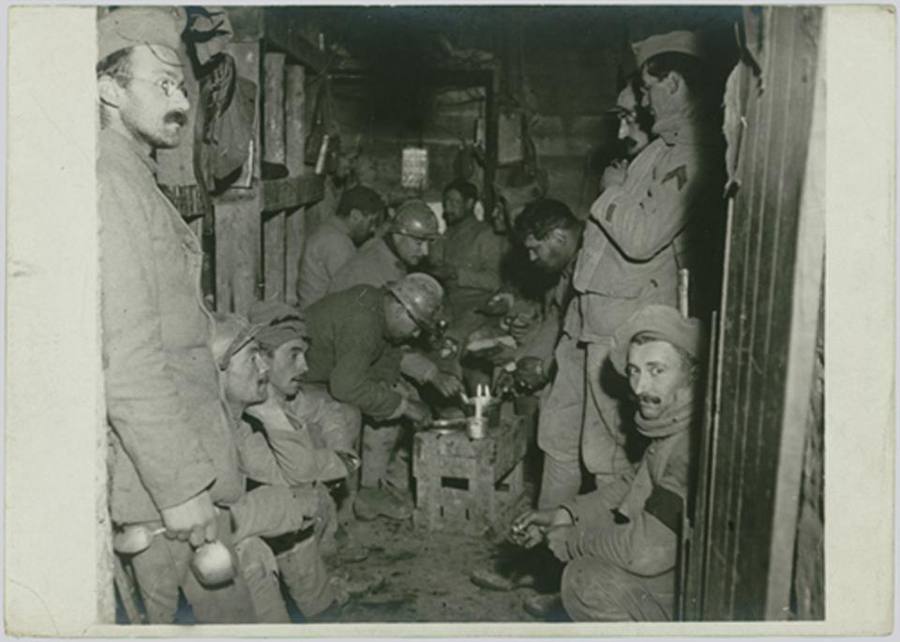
point(345, 513)
point(358, 582)
point(495, 582)
point(540, 605)
point(346, 550)
point(373, 503)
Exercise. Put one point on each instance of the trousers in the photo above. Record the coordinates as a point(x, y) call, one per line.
point(596, 590)
point(559, 425)
point(305, 576)
point(164, 567)
point(383, 460)
point(602, 437)
point(260, 570)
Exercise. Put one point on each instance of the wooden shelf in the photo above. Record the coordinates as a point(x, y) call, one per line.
point(291, 193)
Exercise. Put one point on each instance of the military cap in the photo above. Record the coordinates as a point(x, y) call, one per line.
point(663, 322)
point(231, 333)
point(132, 26)
point(361, 198)
point(684, 42)
point(278, 323)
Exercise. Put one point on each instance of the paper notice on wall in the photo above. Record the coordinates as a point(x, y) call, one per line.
point(414, 173)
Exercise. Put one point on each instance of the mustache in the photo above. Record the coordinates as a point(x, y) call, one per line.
point(178, 117)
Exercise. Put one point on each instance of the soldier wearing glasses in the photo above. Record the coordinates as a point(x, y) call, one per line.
point(173, 457)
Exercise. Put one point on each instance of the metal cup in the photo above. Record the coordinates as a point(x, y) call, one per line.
point(476, 427)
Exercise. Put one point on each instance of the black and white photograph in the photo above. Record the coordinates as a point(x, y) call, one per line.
point(458, 314)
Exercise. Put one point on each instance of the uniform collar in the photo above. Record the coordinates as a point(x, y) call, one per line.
point(337, 223)
point(685, 130)
point(382, 247)
point(121, 145)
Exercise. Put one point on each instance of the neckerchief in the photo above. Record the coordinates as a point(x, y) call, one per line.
point(676, 420)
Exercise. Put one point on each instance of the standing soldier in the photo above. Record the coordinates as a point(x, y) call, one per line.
point(334, 242)
point(173, 456)
point(651, 220)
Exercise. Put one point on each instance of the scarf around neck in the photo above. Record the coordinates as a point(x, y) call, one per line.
point(677, 419)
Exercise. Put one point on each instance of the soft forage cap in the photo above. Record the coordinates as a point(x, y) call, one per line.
point(133, 26)
point(684, 42)
point(664, 323)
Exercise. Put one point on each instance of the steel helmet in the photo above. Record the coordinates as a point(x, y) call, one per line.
point(422, 296)
point(414, 218)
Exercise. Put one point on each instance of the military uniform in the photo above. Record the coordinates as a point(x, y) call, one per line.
point(476, 252)
point(636, 240)
point(326, 252)
point(350, 353)
point(377, 265)
point(626, 571)
point(624, 541)
point(276, 460)
point(170, 436)
point(629, 259)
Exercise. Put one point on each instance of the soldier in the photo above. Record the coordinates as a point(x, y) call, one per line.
point(359, 212)
point(406, 244)
point(356, 337)
point(630, 255)
point(621, 541)
point(469, 261)
point(329, 452)
point(173, 458)
point(551, 235)
point(285, 509)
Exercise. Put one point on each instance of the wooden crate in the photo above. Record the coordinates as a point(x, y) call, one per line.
point(466, 486)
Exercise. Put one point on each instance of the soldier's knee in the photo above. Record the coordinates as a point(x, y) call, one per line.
point(589, 590)
point(351, 418)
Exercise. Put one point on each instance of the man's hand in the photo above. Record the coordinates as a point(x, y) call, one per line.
point(447, 384)
point(193, 520)
point(350, 460)
point(499, 305)
point(416, 412)
point(614, 174)
point(557, 542)
point(528, 528)
point(499, 355)
point(530, 374)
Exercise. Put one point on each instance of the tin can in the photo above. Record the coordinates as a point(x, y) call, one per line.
point(476, 428)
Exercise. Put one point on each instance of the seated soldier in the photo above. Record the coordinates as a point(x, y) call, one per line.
point(621, 541)
point(335, 241)
point(467, 261)
point(329, 452)
point(283, 510)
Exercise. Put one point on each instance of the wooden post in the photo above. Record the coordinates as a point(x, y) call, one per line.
point(273, 255)
point(295, 138)
point(238, 217)
point(273, 152)
point(273, 106)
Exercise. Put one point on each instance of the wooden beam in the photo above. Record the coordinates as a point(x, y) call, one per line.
point(273, 109)
point(282, 29)
point(273, 256)
point(238, 222)
point(295, 141)
point(294, 116)
point(290, 193)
